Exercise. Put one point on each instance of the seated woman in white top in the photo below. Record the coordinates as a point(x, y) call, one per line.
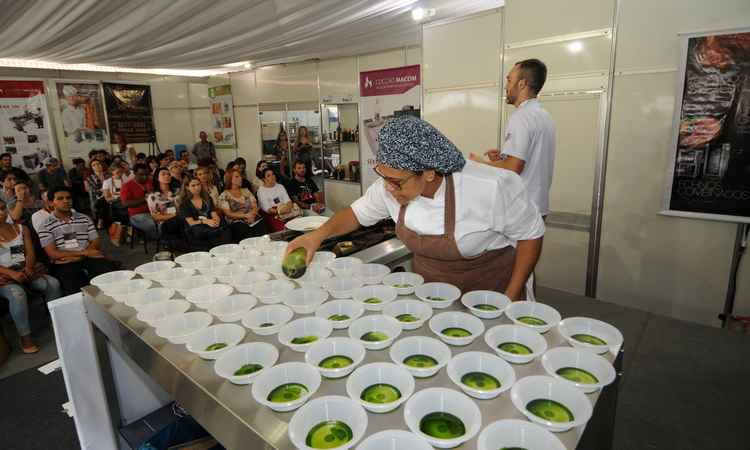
point(273, 200)
point(466, 223)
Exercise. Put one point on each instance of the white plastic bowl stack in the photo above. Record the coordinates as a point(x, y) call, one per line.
point(340, 307)
point(314, 277)
point(394, 440)
point(335, 346)
point(378, 323)
point(276, 315)
point(233, 359)
point(419, 309)
point(344, 267)
point(276, 248)
point(173, 277)
point(501, 334)
point(245, 282)
point(154, 313)
point(232, 307)
point(385, 294)
point(438, 295)
point(228, 251)
point(205, 296)
point(514, 433)
point(226, 333)
point(246, 258)
point(309, 326)
point(228, 273)
point(127, 290)
point(290, 372)
point(469, 362)
point(192, 260)
point(106, 280)
point(370, 273)
point(152, 270)
point(474, 299)
point(542, 387)
point(565, 357)
point(254, 243)
point(273, 291)
point(186, 285)
point(380, 373)
point(269, 263)
point(420, 345)
point(179, 329)
point(207, 267)
point(454, 319)
point(409, 280)
point(305, 300)
point(439, 400)
point(322, 259)
point(537, 310)
point(324, 409)
point(342, 287)
point(149, 297)
point(584, 325)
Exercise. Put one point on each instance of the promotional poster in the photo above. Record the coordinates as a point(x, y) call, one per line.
point(82, 117)
point(711, 164)
point(24, 124)
point(222, 116)
point(384, 94)
point(129, 112)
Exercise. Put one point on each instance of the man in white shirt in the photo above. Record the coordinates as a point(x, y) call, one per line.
point(38, 218)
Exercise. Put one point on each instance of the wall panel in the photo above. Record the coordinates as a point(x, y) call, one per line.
point(338, 78)
point(469, 117)
point(382, 60)
point(528, 20)
point(287, 83)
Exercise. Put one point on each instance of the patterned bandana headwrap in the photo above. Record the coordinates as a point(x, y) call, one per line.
point(410, 143)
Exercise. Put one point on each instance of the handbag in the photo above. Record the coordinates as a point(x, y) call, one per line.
point(296, 211)
point(115, 233)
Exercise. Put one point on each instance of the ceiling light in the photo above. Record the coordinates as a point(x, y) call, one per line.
point(419, 13)
point(37, 64)
point(575, 47)
point(243, 64)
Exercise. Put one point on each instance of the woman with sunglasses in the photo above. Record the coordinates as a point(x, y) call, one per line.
point(465, 223)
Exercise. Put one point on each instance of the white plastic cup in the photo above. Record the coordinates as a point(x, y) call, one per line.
point(192, 260)
point(394, 440)
point(314, 277)
point(231, 308)
point(309, 326)
point(344, 267)
point(510, 433)
point(548, 314)
point(245, 283)
point(105, 280)
point(153, 269)
point(179, 329)
point(454, 319)
point(273, 291)
point(249, 353)
point(416, 308)
point(469, 362)
point(384, 294)
point(370, 273)
point(272, 316)
point(205, 296)
point(227, 274)
point(290, 372)
point(420, 345)
point(474, 301)
point(565, 357)
point(501, 334)
point(542, 387)
point(378, 323)
point(335, 346)
point(404, 282)
point(439, 400)
point(345, 307)
point(438, 295)
point(149, 297)
point(186, 285)
point(226, 333)
point(154, 313)
point(380, 373)
point(226, 251)
point(342, 287)
point(324, 409)
point(584, 325)
point(125, 291)
point(305, 300)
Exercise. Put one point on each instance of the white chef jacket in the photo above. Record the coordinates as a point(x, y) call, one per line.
point(493, 209)
point(72, 119)
point(530, 136)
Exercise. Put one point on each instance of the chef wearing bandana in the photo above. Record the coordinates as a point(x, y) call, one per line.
point(465, 223)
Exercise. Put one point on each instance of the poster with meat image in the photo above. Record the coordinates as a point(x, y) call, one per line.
point(710, 170)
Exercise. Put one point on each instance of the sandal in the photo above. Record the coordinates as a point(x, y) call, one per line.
point(29, 347)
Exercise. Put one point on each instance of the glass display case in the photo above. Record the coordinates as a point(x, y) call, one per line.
point(281, 125)
point(340, 141)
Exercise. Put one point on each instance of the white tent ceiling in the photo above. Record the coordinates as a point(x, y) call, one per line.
point(208, 34)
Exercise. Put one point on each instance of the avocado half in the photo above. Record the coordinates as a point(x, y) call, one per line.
point(295, 263)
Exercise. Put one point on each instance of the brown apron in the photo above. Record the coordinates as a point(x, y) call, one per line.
point(436, 257)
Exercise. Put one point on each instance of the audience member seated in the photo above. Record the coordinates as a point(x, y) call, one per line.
point(6, 165)
point(257, 180)
point(94, 185)
point(169, 153)
point(152, 164)
point(22, 272)
point(204, 227)
point(111, 189)
point(162, 204)
point(140, 158)
point(187, 164)
point(304, 192)
point(162, 160)
point(38, 218)
point(8, 193)
point(243, 172)
point(72, 244)
point(177, 172)
point(275, 202)
point(23, 205)
point(77, 176)
point(133, 197)
point(241, 210)
point(207, 181)
point(53, 176)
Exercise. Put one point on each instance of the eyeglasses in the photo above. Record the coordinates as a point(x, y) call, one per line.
point(395, 184)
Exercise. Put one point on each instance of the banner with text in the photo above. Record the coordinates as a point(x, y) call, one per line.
point(129, 112)
point(222, 116)
point(24, 124)
point(82, 117)
point(384, 94)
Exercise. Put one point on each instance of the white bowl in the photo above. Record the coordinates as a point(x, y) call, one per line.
point(314, 277)
point(305, 300)
point(338, 307)
point(323, 258)
point(192, 260)
point(247, 258)
point(420, 311)
point(394, 440)
point(207, 267)
point(152, 270)
point(385, 294)
point(565, 357)
point(326, 409)
point(232, 307)
point(245, 283)
point(110, 278)
point(342, 287)
point(228, 251)
point(224, 333)
point(173, 277)
point(460, 322)
point(277, 248)
point(533, 310)
point(344, 267)
point(309, 326)
point(290, 372)
point(501, 334)
point(149, 297)
point(514, 433)
point(573, 326)
point(438, 295)
point(487, 363)
point(273, 291)
point(380, 373)
point(228, 273)
point(179, 329)
point(254, 243)
point(186, 285)
point(370, 273)
point(233, 359)
point(420, 345)
point(337, 346)
point(542, 387)
point(127, 290)
point(442, 400)
point(474, 301)
point(277, 315)
point(269, 263)
point(154, 313)
point(409, 280)
point(379, 324)
point(205, 296)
